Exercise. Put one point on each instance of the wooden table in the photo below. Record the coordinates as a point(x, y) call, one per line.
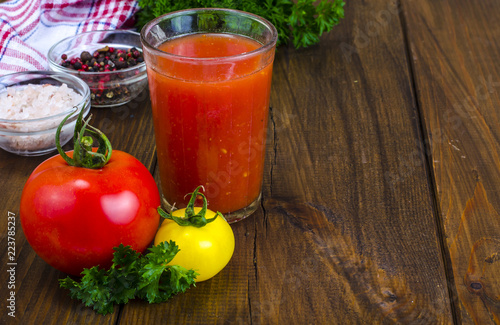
point(381, 195)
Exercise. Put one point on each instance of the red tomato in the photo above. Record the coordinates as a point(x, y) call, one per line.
point(73, 216)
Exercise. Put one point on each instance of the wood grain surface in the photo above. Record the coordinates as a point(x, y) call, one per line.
point(380, 201)
point(454, 53)
point(336, 241)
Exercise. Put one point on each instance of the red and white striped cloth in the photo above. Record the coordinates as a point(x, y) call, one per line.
point(28, 28)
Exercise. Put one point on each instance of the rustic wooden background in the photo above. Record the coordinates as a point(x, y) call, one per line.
point(381, 185)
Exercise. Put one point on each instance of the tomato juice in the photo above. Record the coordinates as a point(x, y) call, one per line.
point(210, 102)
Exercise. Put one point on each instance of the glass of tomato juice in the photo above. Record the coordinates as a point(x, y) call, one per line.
point(209, 73)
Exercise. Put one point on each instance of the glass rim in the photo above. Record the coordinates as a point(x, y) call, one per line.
point(261, 49)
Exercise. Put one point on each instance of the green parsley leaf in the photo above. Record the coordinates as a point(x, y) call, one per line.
point(92, 290)
point(124, 274)
point(131, 275)
point(301, 21)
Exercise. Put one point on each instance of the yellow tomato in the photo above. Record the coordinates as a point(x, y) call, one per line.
point(207, 249)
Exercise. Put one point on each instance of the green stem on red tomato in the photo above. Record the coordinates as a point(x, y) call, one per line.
point(83, 156)
point(191, 218)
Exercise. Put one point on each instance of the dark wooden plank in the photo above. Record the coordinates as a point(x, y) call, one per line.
point(454, 51)
point(130, 128)
point(38, 297)
point(340, 239)
point(358, 238)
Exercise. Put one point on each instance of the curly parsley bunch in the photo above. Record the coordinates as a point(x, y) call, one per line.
point(302, 21)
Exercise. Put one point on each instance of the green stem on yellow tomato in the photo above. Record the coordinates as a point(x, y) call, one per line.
point(191, 218)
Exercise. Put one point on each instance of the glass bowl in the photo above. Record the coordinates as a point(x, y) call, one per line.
point(111, 88)
point(36, 136)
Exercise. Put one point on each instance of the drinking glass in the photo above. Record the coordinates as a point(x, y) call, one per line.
point(209, 73)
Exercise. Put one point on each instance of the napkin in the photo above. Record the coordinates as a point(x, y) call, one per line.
point(28, 28)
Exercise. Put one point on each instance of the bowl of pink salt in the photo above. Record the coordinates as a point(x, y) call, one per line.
point(33, 104)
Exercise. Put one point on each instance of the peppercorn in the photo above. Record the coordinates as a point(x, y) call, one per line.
point(121, 64)
point(105, 59)
point(85, 56)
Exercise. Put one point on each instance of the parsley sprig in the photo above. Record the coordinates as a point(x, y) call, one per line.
point(300, 21)
point(132, 275)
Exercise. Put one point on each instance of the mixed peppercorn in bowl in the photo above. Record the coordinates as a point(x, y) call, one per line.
point(109, 61)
